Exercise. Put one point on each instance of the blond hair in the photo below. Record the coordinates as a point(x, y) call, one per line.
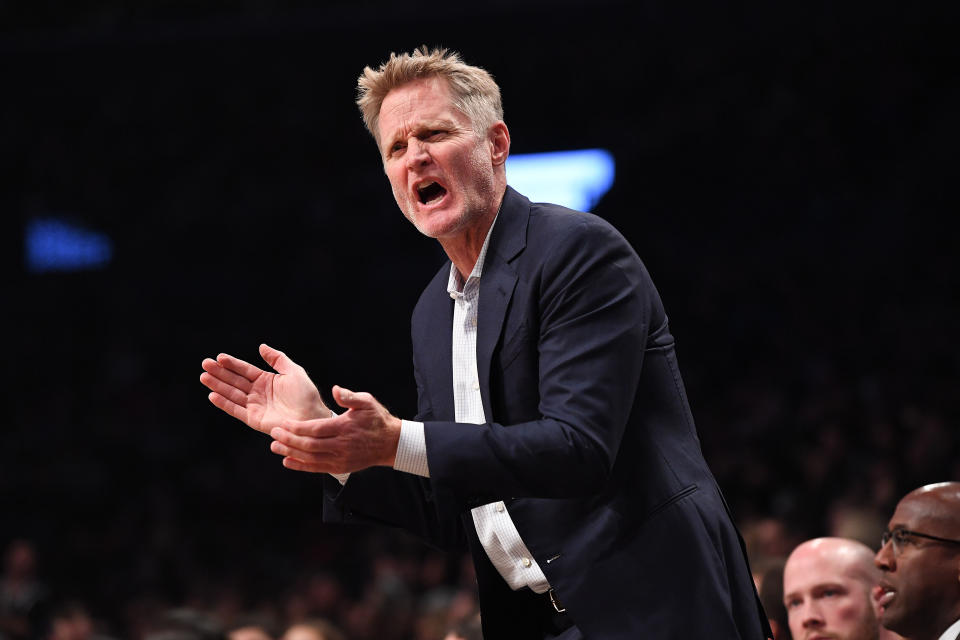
point(473, 89)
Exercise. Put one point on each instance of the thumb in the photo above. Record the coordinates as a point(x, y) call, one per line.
point(277, 360)
point(351, 399)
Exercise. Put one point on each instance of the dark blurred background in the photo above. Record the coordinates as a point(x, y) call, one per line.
point(786, 171)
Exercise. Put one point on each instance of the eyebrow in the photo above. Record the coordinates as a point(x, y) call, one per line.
point(820, 586)
point(426, 125)
point(828, 585)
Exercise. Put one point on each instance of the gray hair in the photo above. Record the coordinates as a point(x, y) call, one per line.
point(473, 89)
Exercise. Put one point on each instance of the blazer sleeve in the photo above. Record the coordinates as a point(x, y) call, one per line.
point(387, 497)
point(593, 303)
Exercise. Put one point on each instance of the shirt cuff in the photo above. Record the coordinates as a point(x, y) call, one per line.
point(412, 449)
point(341, 477)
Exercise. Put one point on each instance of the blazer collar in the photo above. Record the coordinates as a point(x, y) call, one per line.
point(510, 233)
point(497, 284)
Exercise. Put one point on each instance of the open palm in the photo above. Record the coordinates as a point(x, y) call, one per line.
point(262, 399)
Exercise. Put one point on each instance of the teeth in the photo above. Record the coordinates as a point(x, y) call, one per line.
point(886, 598)
point(430, 192)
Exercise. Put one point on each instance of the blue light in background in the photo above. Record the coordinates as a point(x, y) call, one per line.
point(575, 179)
point(53, 244)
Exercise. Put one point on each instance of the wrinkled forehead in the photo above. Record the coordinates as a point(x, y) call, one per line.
point(422, 93)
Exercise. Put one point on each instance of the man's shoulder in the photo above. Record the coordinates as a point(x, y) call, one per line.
point(554, 228)
point(436, 290)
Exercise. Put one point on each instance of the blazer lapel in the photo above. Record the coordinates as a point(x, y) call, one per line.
point(437, 346)
point(497, 284)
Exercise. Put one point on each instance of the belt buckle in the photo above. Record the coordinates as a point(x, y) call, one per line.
point(559, 608)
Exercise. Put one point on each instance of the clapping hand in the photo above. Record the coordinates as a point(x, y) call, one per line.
point(262, 399)
point(365, 435)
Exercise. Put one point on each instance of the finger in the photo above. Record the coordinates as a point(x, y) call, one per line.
point(317, 428)
point(228, 391)
point(278, 360)
point(305, 456)
point(229, 407)
point(300, 465)
point(239, 367)
point(214, 368)
point(303, 443)
point(353, 399)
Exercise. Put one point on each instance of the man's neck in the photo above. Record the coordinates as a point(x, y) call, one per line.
point(947, 630)
point(953, 628)
point(464, 248)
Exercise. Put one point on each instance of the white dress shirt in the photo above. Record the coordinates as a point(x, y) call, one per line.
point(495, 527)
point(952, 632)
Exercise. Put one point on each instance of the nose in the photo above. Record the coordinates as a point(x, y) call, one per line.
point(885, 558)
point(417, 153)
point(811, 616)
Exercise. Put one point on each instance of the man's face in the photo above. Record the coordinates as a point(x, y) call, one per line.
point(440, 169)
point(826, 599)
point(920, 583)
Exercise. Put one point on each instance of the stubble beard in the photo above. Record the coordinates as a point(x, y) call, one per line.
point(869, 630)
point(472, 209)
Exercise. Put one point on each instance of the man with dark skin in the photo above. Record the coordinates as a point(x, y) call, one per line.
point(919, 594)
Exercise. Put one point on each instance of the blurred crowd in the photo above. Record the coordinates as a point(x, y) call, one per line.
point(854, 452)
point(406, 596)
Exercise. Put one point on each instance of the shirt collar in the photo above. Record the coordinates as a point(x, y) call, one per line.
point(951, 632)
point(455, 282)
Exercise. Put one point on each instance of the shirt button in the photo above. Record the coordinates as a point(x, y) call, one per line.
point(476, 385)
point(526, 562)
point(500, 507)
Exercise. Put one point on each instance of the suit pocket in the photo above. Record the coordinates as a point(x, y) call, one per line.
point(627, 508)
point(675, 498)
point(513, 346)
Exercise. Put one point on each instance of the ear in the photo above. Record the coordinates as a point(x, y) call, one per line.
point(499, 138)
point(775, 627)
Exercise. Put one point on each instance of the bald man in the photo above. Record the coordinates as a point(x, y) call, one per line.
point(828, 586)
point(920, 561)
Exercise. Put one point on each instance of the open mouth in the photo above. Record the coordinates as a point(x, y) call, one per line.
point(430, 192)
point(883, 595)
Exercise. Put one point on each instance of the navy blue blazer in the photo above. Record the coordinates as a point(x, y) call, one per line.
point(589, 440)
